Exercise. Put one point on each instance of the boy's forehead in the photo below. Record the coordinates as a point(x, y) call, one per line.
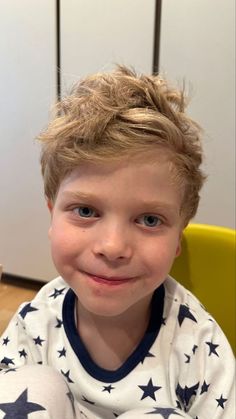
point(144, 178)
point(153, 158)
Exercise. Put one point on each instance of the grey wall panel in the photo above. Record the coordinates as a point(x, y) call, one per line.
point(95, 34)
point(27, 89)
point(198, 44)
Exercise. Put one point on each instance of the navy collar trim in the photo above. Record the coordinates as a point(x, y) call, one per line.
point(133, 360)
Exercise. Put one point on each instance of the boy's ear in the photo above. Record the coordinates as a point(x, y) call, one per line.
point(178, 250)
point(179, 246)
point(50, 232)
point(49, 205)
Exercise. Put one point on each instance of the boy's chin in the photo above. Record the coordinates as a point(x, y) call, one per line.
point(108, 310)
point(115, 308)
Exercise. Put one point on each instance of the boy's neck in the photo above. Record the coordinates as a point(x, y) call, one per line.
point(111, 340)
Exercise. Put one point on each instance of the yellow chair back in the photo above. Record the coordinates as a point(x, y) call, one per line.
point(206, 267)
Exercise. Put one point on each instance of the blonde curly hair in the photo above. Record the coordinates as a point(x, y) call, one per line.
point(111, 115)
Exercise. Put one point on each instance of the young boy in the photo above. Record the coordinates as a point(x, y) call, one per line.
point(116, 335)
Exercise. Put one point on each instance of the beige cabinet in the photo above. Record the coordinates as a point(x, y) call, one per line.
point(93, 35)
point(97, 34)
point(198, 44)
point(27, 89)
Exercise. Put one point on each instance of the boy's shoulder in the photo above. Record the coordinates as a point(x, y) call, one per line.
point(177, 297)
point(49, 297)
point(181, 300)
point(52, 289)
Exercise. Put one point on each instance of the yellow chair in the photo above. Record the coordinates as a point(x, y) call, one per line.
point(206, 267)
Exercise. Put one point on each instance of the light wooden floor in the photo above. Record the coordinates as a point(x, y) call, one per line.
point(11, 296)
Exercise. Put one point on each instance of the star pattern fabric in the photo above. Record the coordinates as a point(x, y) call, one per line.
point(164, 412)
point(6, 341)
point(10, 370)
point(149, 390)
point(204, 387)
point(72, 400)
point(108, 388)
point(212, 348)
point(184, 313)
point(7, 361)
point(221, 401)
point(67, 376)
point(57, 293)
point(162, 375)
point(62, 352)
point(59, 323)
point(26, 310)
point(185, 394)
point(20, 408)
point(38, 341)
point(23, 353)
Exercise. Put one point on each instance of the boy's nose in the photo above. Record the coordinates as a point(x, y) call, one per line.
point(113, 245)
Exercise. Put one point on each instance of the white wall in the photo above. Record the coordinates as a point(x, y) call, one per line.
point(97, 34)
point(94, 34)
point(27, 89)
point(198, 43)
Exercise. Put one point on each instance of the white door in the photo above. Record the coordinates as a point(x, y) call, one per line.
point(198, 44)
point(27, 89)
point(96, 34)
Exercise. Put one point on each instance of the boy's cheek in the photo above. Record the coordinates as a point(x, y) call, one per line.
point(178, 250)
point(50, 206)
point(50, 232)
point(179, 246)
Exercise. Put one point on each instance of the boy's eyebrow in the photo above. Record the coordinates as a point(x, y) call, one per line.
point(79, 195)
point(158, 205)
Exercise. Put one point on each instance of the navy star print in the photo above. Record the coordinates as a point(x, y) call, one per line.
point(56, 293)
point(178, 404)
point(184, 313)
point(212, 348)
point(108, 388)
point(72, 400)
point(187, 359)
point(185, 394)
point(27, 309)
point(6, 341)
point(180, 326)
point(67, 376)
point(163, 321)
point(149, 390)
point(20, 408)
point(164, 412)
point(22, 353)
point(59, 323)
point(62, 352)
point(204, 387)
point(148, 355)
point(87, 400)
point(7, 361)
point(194, 348)
point(10, 370)
point(221, 401)
point(38, 341)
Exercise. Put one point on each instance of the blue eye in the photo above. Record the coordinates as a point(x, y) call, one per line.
point(85, 212)
point(150, 220)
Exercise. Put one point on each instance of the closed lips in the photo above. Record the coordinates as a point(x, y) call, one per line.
point(110, 278)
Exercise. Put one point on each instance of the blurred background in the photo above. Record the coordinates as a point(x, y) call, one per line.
point(46, 46)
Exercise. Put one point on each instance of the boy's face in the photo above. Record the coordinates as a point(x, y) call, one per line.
point(115, 231)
